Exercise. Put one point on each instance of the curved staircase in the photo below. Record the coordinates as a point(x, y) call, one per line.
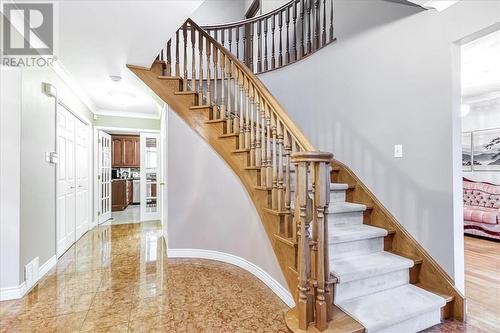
point(349, 264)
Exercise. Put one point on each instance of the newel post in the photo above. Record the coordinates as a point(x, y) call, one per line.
point(314, 289)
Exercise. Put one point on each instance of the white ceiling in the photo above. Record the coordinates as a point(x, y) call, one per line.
point(481, 67)
point(98, 38)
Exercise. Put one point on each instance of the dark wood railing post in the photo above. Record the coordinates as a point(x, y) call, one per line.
point(306, 23)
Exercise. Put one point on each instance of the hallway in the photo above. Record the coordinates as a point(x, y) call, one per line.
point(117, 279)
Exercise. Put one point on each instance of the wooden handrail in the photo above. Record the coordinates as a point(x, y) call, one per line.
point(292, 127)
point(252, 19)
point(281, 37)
point(276, 147)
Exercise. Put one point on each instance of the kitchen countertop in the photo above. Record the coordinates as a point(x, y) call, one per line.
point(123, 179)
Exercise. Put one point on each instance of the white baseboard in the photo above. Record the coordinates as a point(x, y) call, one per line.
point(281, 291)
point(46, 267)
point(12, 292)
point(20, 290)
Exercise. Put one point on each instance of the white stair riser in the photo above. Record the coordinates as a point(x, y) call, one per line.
point(370, 285)
point(415, 324)
point(345, 218)
point(337, 196)
point(355, 248)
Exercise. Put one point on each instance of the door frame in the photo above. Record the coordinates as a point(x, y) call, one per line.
point(88, 123)
point(145, 216)
point(95, 160)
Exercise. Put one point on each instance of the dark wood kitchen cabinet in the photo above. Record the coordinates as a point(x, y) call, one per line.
point(122, 194)
point(126, 151)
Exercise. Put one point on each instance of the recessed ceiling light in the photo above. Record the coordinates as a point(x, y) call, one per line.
point(115, 78)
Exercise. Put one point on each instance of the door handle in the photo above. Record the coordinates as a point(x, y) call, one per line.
point(71, 187)
point(80, 186)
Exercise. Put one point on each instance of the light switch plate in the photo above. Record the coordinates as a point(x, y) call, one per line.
point(47, 156)
point(398, 150)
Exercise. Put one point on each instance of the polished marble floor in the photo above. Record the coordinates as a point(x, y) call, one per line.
point(131, 214)
point(117, 278)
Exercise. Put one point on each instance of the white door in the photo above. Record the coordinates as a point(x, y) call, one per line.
point(150, 173)
point(66, 184)
point(82, 178)
point(104, 177)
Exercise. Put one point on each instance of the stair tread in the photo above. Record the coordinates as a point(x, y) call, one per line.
point(392, 306)
point(365, 266)
point(346, 207)
point(351, 232)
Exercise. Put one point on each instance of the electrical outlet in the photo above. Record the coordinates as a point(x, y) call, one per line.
point(398, 150)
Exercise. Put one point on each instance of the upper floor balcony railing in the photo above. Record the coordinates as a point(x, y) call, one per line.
point(280, 37)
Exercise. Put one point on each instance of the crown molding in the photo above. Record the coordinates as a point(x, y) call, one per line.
point(126, 114)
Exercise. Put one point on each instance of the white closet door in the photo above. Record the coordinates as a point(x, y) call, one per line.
point(82, 178)
point(104, 176)
point(66, 183)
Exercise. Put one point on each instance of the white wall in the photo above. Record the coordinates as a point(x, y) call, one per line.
point(208, 206)
point(479, 118)
point(392, 77)
point(10, 178)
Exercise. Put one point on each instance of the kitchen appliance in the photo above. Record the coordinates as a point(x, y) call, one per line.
point(115, 174)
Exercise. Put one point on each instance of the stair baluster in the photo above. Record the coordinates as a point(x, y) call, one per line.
point(193, 58)
point(185, 78)
point(215, 109)
point(200, 68)
point(287, 52)
point(241, 139)
point(237, 110)
point(168, 69)
point(273, 51)
point(263, 143)
point(273, 144)
point(209, 75)
point(280, 28)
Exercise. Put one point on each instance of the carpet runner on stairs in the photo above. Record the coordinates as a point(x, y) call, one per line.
point(374, 285)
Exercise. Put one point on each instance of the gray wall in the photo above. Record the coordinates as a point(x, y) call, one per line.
point(391, 78)
point(208, 207)
point(10, 175)
point(219, 11)
point(38, 220)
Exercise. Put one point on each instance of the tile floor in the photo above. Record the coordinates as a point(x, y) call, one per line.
point(131, 214)
point(117, 278)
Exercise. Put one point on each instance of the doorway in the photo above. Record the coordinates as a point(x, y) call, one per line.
point(480, 115)
point(72, 179)
point(127, 182)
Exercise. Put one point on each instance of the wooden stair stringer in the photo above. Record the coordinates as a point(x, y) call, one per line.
point(430, 275)
point(212, 133)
